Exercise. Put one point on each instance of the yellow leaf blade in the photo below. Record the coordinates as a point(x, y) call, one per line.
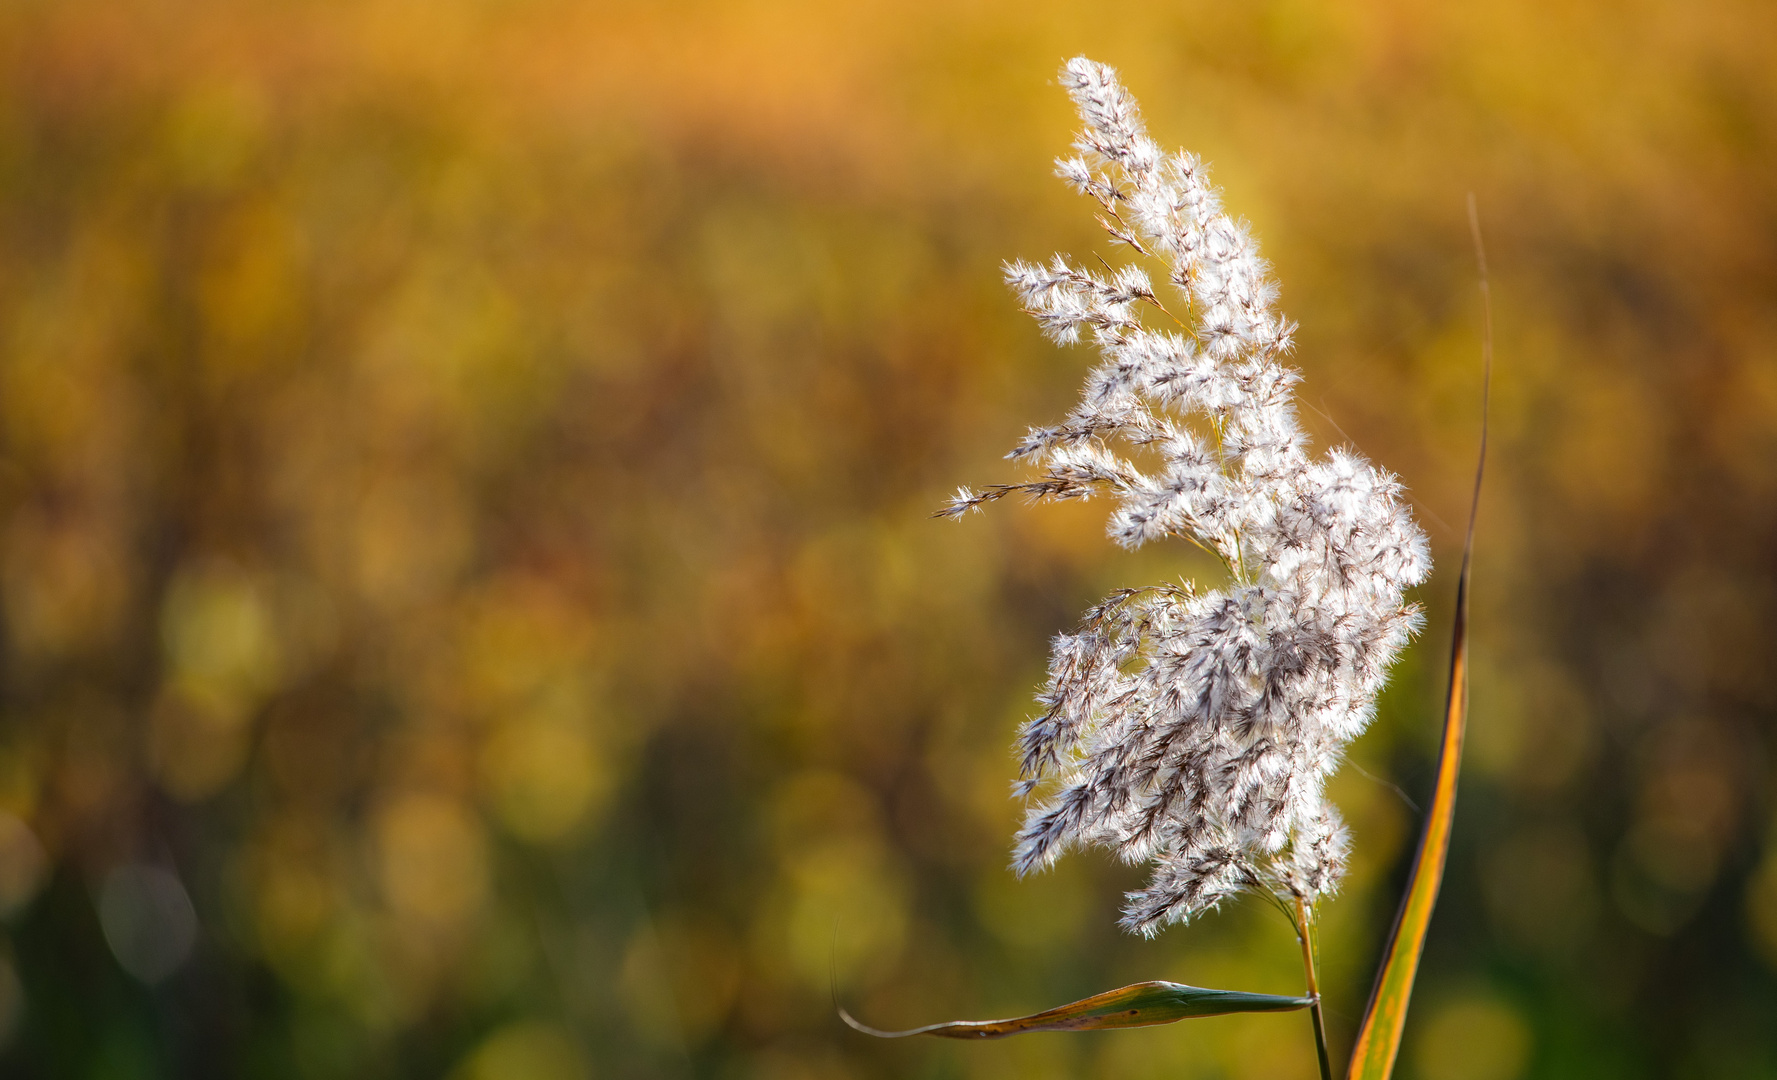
point(1379, 1037)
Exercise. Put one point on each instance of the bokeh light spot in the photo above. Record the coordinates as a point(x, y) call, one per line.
point(544, 775)
point(197, 743)
point(1761, 909)
point(1541, 888)
point(432, 859)
point(219, 633)
point(679, 978)
point(23, 864)
point(1473, 1037)
point(148, 920)
point(526, 1050)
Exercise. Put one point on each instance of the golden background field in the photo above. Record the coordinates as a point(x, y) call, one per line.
point(464, 484)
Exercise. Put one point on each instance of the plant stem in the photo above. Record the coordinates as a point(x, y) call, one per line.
point(1305, 934)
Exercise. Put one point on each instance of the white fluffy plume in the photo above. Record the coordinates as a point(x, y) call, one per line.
point(1196, 729)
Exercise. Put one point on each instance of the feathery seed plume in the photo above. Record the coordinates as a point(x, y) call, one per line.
point(1196, 730)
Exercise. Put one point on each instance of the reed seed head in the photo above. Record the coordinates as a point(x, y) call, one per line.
point(1195, 730)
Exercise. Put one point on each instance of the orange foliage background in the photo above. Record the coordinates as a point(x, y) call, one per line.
point(470, 605)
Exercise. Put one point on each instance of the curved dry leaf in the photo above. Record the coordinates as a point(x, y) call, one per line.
point(1142, 1004)
point(1379, 1037)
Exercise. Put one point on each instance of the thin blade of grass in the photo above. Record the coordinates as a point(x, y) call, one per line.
point(1142, 1004)
point(1379, 1037)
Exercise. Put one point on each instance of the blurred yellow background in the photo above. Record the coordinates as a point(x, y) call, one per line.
point(470, 606)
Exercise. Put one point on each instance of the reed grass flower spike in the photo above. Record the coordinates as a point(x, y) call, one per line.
point(1195, 729)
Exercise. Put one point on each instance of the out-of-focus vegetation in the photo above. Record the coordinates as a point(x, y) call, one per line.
point(469, 602)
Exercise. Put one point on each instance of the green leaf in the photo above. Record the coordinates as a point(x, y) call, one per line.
point(1140, 1004)
point(1379, 1037)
